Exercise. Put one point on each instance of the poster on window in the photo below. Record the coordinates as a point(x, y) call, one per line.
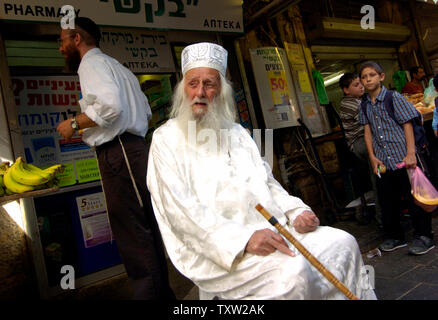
point(275, 87)
point(312, 114)
point(42, 103)
point(94, 219)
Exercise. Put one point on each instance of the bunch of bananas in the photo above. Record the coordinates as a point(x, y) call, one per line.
point(22, 177)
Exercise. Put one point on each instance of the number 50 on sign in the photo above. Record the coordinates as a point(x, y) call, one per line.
point(279, 87)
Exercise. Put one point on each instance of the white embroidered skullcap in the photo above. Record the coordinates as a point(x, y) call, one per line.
point(204, 54)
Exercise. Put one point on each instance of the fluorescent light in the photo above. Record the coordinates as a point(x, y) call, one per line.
point(333, 80)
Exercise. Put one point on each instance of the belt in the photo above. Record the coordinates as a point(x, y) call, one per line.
point(126, 136)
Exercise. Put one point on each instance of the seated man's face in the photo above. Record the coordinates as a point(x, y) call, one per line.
point(201, 86)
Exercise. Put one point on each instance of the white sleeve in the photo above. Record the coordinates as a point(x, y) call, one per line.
point(194, 225)
point(97, 79)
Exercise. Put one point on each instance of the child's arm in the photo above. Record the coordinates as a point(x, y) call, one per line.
point(435, 120)
point(375, 162)
point(410, 159)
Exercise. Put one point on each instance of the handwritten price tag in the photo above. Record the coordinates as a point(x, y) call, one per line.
point(87, 170)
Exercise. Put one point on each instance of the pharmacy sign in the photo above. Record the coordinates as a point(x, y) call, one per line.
point(194, 15)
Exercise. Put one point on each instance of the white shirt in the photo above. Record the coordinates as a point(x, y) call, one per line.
point(112, 98)
point(205, 202)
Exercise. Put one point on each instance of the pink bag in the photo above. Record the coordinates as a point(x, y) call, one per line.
point(424, 193)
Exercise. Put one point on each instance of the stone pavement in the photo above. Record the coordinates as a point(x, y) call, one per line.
point(398, 275)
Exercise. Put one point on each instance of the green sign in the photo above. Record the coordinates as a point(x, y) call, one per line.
point(87, 170)
point(67, 178)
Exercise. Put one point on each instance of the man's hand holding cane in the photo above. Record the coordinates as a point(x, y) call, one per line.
point(266, 241)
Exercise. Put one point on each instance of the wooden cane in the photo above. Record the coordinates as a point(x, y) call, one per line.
point(326, 273)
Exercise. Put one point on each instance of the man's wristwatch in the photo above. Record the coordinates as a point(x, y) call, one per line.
point(74, 124)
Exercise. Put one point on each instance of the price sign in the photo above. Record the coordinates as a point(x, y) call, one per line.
point(275, 87)
point(279, 88)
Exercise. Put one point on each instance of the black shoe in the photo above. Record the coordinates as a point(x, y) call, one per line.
point(421, 245)
point(392, 244)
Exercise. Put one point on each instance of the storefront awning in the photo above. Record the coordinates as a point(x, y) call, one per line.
point(353, 53)
point(351, 29)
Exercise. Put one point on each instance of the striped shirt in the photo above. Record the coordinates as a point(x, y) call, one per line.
point(389, 142)
point(349, 113)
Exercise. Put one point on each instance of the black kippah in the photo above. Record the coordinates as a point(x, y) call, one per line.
point(88, 25)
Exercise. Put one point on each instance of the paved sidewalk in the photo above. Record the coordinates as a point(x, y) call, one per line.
point(398, 275)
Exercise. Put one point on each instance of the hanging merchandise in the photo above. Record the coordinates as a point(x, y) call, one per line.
point(158, 90)
point(399, 79)
point(320, 88)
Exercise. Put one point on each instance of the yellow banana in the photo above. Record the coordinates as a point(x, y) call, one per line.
point(4, 165)
point(2, 184)
point(23, 176)
point(38, 171)
point(13, 185)
point(53, 170)
point(3, 169)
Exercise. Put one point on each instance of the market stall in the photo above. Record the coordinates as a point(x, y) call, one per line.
point(425, 104)
point(68, 224)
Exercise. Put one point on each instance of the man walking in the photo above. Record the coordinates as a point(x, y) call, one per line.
point(114, 119)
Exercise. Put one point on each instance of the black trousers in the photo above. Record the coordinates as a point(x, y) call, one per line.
point(134, 227)
point(391, 188)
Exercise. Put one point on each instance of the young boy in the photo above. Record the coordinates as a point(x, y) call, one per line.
point(388, 143)
point(354, 132)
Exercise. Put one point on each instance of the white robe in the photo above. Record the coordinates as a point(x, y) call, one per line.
point(204, 203)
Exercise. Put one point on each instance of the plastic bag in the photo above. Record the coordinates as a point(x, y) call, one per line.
point(430, 93)
point(424, 193)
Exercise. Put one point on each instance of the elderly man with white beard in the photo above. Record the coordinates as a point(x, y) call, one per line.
point(205, 176)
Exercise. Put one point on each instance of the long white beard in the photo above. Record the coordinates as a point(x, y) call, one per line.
point(213, 121)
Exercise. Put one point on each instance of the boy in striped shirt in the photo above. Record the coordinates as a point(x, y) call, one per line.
point(354, 134)
point(388, 143)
